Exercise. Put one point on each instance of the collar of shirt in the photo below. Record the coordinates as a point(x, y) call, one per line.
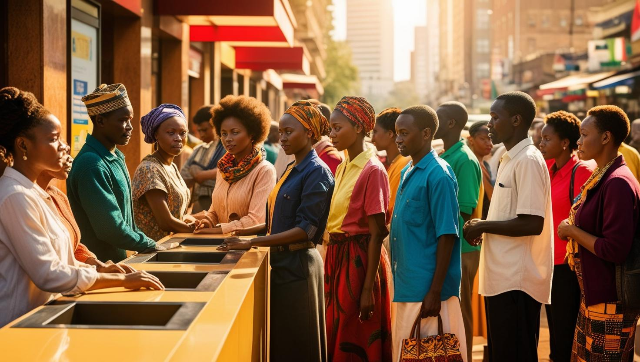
point(22, 180)
point(306, 161)
point(361, 160)
point(513, 152)
point(566, 169)
point(102, 150)
point(453, 149)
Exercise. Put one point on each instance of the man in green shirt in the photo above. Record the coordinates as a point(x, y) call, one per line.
point(453, 117)
point(99, 187)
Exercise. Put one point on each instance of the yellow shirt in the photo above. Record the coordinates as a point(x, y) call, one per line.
point(394, 171)
point(632, 158)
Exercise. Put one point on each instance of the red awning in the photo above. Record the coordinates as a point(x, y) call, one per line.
point(299, 81)
point(243, 21)
point(263, 58)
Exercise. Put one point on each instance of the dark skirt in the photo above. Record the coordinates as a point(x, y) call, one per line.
point(348, 338)
point(298, 331)
point(604, 332)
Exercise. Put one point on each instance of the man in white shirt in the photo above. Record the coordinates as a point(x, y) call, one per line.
point(516, 262)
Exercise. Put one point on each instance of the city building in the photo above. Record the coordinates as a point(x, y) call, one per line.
point(421, 75)
point(451, 74)
point(370, 36)
point(433, 45)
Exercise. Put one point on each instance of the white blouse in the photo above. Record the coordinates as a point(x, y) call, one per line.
point(36, 253)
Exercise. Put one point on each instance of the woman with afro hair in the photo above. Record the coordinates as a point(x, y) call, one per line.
point(245, 178)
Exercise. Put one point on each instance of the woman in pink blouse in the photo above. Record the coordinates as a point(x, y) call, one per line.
point(245, 178)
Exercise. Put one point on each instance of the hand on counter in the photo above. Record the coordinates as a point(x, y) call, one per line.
point(234, 243)
point(208, 231)
point(166, 246)
point(142, 279)
point(109, 266)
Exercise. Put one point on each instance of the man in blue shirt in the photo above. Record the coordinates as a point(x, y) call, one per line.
point(425, 246)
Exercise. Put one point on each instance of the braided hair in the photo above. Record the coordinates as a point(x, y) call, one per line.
point(20, 111)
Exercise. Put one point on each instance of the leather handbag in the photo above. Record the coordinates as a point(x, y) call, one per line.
point(443, 347)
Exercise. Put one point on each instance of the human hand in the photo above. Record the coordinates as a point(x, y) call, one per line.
point(208, 231)
point(166, 246)
point(472, 232)
point(367, 305)
point(201, 224)
point(234, 243)
point(564, 229)
point(430, 305)
point(142, 279)
point(189, 219)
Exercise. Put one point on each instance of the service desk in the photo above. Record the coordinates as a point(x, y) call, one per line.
point(224, 321)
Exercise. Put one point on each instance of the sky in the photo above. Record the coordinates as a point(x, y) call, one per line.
point(407, 15)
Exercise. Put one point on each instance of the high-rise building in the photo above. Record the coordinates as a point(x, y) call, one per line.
point(421, 75)
point(522, 30)
point(451, 75)
point(433, 49)
point(370, 36)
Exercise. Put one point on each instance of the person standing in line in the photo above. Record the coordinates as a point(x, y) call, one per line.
point(424, 235)
point(298, 208)
point(568, 174)
point(200, 170)
point(453, 117)
point(99, 187)
point(356, 266)
point(36, 253)
point(516, 261)
point(480, 143)
point(635, 135)
point(601, 228)
point(160, 195)
point(272, 143)
point(244, 178)
point(631, 158)
point(384, 138)
point(324, 148)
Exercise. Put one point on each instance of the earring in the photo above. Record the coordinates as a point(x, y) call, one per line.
point(24, 157)
point(564, 148)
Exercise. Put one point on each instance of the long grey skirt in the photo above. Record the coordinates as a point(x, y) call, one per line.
point(297, 306)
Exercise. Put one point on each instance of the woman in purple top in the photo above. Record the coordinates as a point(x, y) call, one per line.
point(600, 229)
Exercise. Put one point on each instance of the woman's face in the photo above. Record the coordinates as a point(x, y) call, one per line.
point(551, 146)
point(171, 135)
point(343, 133)
point(63, 173)
point(382, 138)
point(480, 143)
point(44, 147)
point(293, 136)
point(590, 144)
point(235, 137)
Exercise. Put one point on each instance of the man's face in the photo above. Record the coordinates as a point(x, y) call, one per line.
point(500, 126)
point(116, 125)
point(205, 132)
point(410, 138)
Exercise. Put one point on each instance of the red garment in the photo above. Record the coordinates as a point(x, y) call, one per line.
point(349, 339)
point(329, 154)
point(560, 181)
point(81, 252)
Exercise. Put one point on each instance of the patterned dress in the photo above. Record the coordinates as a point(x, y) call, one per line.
point(362, 189)
point(151, 174)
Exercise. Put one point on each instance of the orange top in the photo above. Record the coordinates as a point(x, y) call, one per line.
point(394, 171)
point(81, 252)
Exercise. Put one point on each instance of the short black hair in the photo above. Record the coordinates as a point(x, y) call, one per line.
point(424, 116)
point(519, 103)
point(203, 115)
point(253, 114)
point(387, 118)
point(611, 119)
point(457, 111)
point(536, 122)
point(476, 126)
point(566, 125)
point(20, 111)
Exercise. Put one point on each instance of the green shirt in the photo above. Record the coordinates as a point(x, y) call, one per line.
point(99, 191)
point(272, 152)
point(467, 170)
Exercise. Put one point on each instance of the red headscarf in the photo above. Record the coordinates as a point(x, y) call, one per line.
point(358, 110)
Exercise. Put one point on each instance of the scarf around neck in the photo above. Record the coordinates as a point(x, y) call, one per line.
point(234, 171)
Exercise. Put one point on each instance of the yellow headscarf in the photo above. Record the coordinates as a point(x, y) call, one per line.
point(310, 117)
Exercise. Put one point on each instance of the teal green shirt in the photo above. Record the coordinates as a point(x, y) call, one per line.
point(469, 176)
point(99, 191)
point(272, 152)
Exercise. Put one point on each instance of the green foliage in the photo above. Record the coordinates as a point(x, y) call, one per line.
point(342, 74)
point(403, 96)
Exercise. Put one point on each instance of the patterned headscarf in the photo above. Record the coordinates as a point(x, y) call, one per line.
point(152, 120)
point(106, 98)
point(311, 118)
point(358, 110)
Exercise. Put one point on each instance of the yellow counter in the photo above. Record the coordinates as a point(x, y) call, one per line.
point(232, 326)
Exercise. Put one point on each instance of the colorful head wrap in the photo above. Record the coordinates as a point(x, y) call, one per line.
point(106, 98)
point(152, 120)
point(358, 110)
point(311, 118)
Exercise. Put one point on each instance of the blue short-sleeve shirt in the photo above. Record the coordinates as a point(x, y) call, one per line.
point(426, 208)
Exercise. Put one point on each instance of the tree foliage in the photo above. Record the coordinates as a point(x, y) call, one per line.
point(342, 74)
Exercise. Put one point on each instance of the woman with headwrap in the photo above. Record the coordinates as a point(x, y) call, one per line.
point(160, 195)
point(245, 177)
point(297, 216)
point(357, 295)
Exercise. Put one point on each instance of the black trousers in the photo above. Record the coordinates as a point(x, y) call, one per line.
point(563, 312)
point(513, 327)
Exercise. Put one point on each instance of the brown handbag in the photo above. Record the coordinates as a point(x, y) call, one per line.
point(443, 347)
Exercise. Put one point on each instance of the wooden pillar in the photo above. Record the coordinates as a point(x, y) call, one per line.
point(174, 60)
point(216, 72)
point(247, 82)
